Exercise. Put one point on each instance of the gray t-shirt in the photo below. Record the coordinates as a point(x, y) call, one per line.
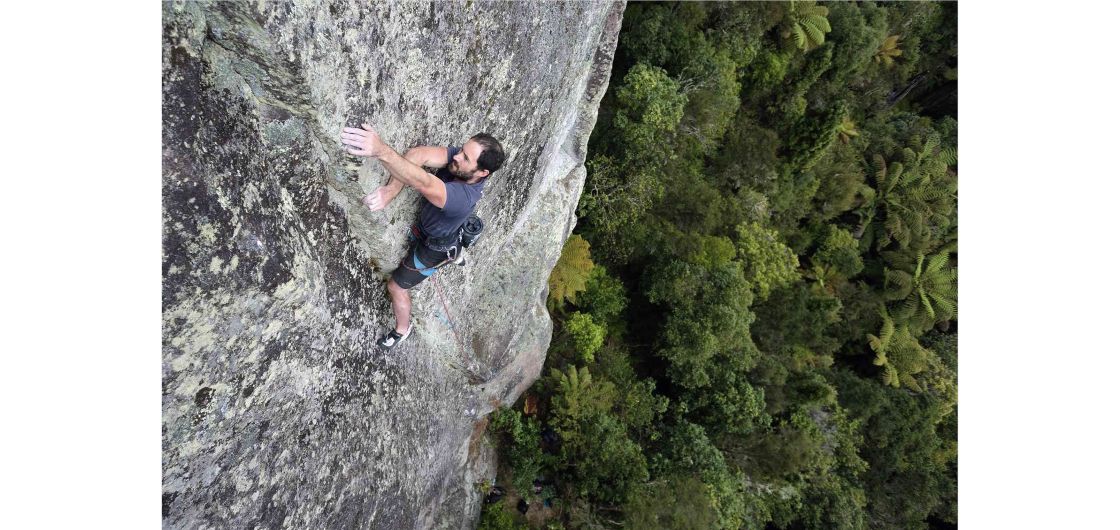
point(461, 198)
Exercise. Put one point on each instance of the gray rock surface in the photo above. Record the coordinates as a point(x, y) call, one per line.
point(278, 410)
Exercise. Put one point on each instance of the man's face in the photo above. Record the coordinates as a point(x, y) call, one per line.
point(464, 165)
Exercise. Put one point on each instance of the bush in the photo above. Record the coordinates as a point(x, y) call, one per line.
point(585, 334)
point(497, 517)
point(520, 445)
point(769, 264)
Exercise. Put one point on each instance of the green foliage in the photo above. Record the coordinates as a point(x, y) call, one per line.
point(602, 462)
point(679, 502)
point(497, 517)
point(688, 450)
point(638, 405)
point(805, 25)
point(899, 353)
point(707, 303)
point(756, 246)
point(769, 263)
point(662, 34)
point(570, 274)
point(927, 290)
point(519, 442)
point(857, 30)
point(650, 108)
point(750, 157)
point(578, 397)
point(605, 463)
point(837, 258)
point(812, 136)
point(888, 50)
point(909, 461)
point(913, 195)
point(586, 334)
point(768, 70)
point(847, 130)
point(841, 175)
point(625, 180)
point(604, 298)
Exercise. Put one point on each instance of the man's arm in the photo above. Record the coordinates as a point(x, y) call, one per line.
point(427, 156)
point(366, 142)
point(422, 156)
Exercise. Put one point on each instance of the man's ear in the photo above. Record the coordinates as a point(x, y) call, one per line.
point(483, 173)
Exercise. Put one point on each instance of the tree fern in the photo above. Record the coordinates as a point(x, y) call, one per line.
point(570, 274)
point(926, 289)
point(805, 25)
point(847, 130)
point(899, 353)
point(914, 194)
point(578, 396)
point(888, 50)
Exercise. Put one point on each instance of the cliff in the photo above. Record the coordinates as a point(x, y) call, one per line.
point(278, 409)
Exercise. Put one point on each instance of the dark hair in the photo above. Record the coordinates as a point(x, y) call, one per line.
point(492, 153)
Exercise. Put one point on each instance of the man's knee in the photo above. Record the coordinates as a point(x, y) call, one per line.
point(393, 287)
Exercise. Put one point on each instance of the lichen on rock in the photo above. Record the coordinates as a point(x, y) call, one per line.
point(278, 410)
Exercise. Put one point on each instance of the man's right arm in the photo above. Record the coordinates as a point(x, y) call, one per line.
point(423, 156)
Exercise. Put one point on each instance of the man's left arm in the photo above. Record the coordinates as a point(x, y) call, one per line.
point(366, 142)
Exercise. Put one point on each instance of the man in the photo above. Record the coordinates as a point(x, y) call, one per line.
point(449, 199)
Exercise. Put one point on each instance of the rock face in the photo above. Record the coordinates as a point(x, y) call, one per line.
point(278, 410)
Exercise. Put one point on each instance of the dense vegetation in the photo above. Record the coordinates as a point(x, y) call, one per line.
point(756, 315)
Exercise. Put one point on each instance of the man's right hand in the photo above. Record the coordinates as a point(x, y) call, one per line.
point(379, 199)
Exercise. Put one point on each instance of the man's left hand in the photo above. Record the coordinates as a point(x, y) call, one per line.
point(365, 141)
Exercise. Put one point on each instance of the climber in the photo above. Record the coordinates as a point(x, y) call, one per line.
point(449, 199)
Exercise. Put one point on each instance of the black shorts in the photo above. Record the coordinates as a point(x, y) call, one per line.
point(421, 258)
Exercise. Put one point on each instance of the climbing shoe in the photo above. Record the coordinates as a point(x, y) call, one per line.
point(392, 338)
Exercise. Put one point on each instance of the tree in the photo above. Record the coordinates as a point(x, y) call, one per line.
point(601, 461)
point(899, 353)
point(625, 179)
point(570, 274)
point(912, 195)
point(578, 396)
point(678, 502)
point(847, 130)
point(888, 51)
point(910, 472)
point(706, 301)
point(769, 264)
point(586, 334)
point(837, 258)
point(604, 298)
point(805, 25)
point(927, 290)
point(519, 442)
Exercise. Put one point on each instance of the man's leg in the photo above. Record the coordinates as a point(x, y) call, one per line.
point(402, 305)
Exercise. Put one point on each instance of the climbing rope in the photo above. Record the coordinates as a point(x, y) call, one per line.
point(473, 377)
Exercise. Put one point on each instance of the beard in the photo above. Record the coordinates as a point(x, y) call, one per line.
point(453, 168)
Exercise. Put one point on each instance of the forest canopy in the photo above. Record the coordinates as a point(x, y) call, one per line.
point(755, 319)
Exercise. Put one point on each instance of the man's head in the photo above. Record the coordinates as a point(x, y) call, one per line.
point(480, 156)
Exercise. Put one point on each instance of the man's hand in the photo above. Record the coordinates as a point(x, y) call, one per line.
point(365, 141)
point(379, 199)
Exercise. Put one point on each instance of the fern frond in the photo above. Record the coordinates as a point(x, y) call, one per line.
point(948, 155)
point(819, 22)
point(925, 304)
point(799, 37)
point(937, 262)
point(880, 170)
point(948, 307)
point(815, 35)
